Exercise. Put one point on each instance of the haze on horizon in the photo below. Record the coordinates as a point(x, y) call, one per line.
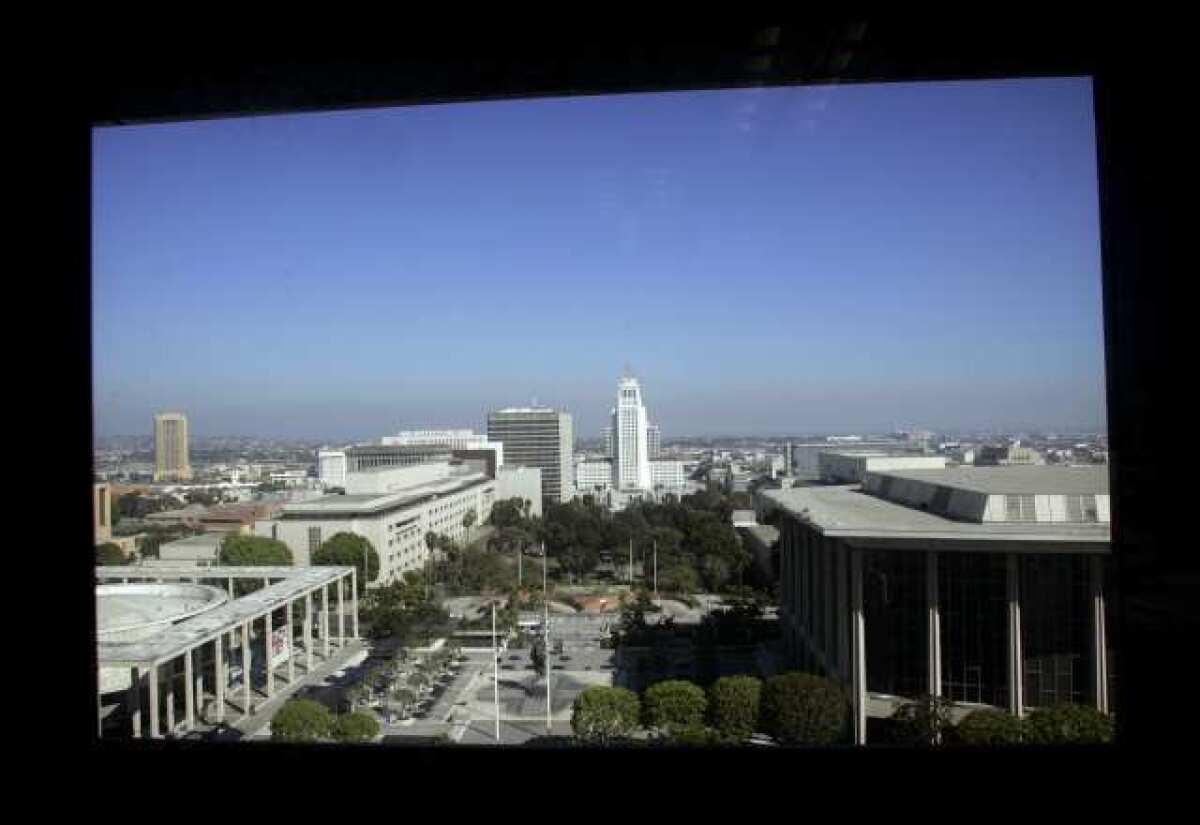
point(769, 261)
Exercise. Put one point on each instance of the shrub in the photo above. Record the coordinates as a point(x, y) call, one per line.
point(1068, 724)
point(922, 721)
point(602, 714)
point(802, 709)
point(733, 703)
point(301, 720)
point(110, 554)
point(988, 726)
point(695, 735)
point(355, 727)
point(674, 703)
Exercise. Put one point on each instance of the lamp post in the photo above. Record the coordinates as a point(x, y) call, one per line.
point(546, 633)
point(495, 673)
point(656, 568)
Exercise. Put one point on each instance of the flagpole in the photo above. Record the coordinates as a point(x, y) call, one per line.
point(496, 673)
point(656, 568)
point(631, 560)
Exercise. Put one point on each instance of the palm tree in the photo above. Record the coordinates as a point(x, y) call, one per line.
point(469, 519)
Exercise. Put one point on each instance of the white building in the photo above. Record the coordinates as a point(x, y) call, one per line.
point(593, 476)
point(538, 437)
point(668, 476)
point(520, 482)
point(331, 467)
point(654, 440)
point(454, 439)
point(393, 508)
point(850, 467)
point(631, 443)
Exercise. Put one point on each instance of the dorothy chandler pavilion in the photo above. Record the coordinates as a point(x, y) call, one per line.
point(984, 585)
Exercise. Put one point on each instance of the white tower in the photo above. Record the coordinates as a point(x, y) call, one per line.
point(631, 443)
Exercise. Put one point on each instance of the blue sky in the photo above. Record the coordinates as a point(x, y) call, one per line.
point(767, 260)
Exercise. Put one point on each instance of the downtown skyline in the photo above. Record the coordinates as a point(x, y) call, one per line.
point(819, 259)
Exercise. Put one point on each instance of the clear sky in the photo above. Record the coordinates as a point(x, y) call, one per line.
point(767, 260)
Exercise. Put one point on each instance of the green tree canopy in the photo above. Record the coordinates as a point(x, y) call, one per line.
point(602, 714)
point(349, 550)
point(254, 551)
point(733, 704)
point(803, 709)
point(110, 554)
point(989, 726)
point(673, 704)
point(355, 727)
point(1068, 724)
point(301, 720)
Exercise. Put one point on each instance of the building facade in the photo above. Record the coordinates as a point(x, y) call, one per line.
point(987, 586)
point(394, 522)
point(631, 442)
point(851, 467)
point(331, 467)
point(101, 512)
point(593, 476)
point(668, 475)
point(524, 483)
point(538, 437)
point(171, 447)
point(653, 440)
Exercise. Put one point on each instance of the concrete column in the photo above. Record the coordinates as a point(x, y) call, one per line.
point(269, 648)
point(858, 649)
point(1099, 635)
point(220, 676)
point(189, 693)
point(291, 644)
point(231, 587)
point(155, 730)
point(171, 697)
point(933, 624)
point(135, 702)
point(247, 668)
point(843, 616)
point(1016, 682)
point(325, 625)
point(308, 640)
point(341, 587)
point(827, 599)
point(354, 599)
point(266, 583)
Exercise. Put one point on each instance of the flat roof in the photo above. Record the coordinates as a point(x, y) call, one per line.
point(380, 501)
point(1016, 479)
point(175, 639)
point(845, 511)
point(202, 540)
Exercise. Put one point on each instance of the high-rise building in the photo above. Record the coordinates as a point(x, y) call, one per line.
point(653, 439)
point(171, 447)
point(631, 443)
point(538, 437)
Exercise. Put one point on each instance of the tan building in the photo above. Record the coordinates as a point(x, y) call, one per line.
point(101, 512)
point(171, 447)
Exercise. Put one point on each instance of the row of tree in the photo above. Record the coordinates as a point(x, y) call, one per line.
point(303, 720)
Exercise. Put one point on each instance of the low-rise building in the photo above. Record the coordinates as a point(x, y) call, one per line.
point(521, 482)
point(985, 585)
point(393, 508)
point(852, 466)
point(203, 550)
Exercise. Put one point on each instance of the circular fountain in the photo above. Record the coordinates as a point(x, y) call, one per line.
point(131, 612)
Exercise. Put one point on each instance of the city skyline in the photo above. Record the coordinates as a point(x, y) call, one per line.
point(821, 259)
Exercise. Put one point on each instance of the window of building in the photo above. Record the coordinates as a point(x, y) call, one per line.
point(973, 598)
point(894, 613)
point(314, 539)
point(1021, 508)
point(1081, 508)
point(1055, 628)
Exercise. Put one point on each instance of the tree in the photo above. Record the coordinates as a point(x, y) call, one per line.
point(1068, 724)
point(108, 554)
point(802, 709)
point(988, 726)
point(602, 714)
point(537, 656)
point(349, 550)
point(355, 727)
point(673, 704)
point(733, 705)
point(469, 518)
point(301, 720)
point(254, 551)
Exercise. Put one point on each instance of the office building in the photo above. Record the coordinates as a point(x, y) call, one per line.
point(653, 440)
point(631, 443)
point(538, 437)
point(593, 476)
point(393, 508)
point(667, 476)
point(985, 585)
point(524, 483)
point(456, 440)
point(171, 447)
point(331, 467)
point(1003, 456)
